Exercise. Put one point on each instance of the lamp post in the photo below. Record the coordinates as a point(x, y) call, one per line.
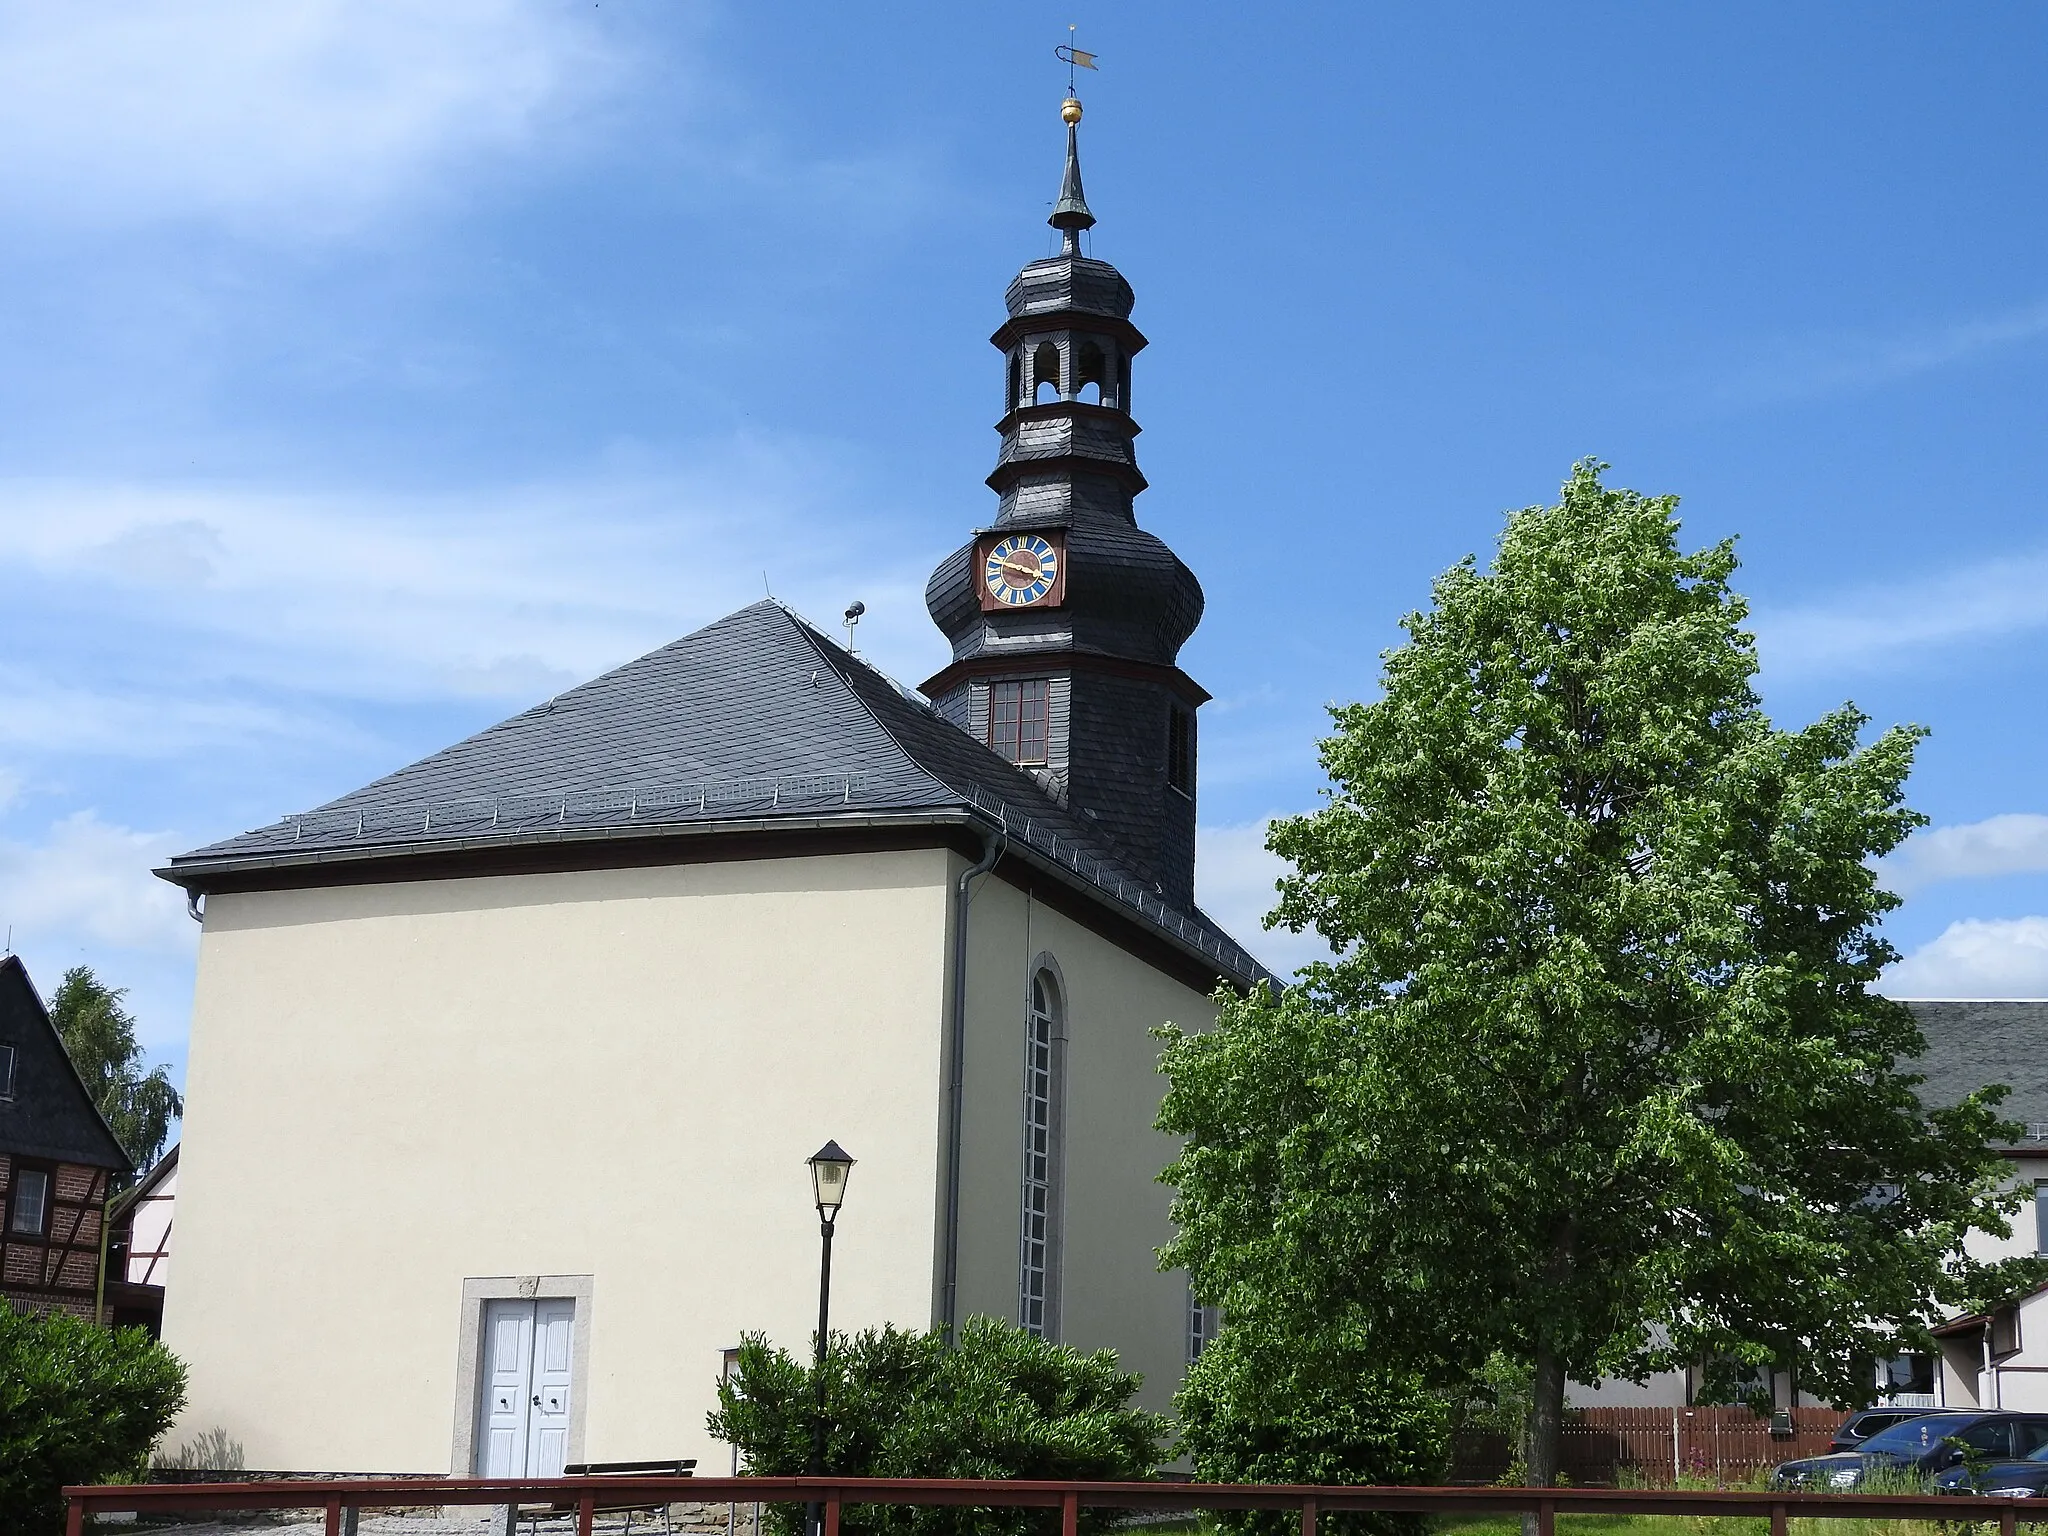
point(829, 1167)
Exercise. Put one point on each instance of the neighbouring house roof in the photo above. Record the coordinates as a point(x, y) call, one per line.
point(145, 1186)
point(1969, 1322)
point(1971, 1043)
point(50, 1114)
point(757, 721)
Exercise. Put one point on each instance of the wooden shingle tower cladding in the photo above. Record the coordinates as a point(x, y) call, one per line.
point(1079, 683)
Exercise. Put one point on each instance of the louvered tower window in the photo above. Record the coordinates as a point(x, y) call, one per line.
point(1017, 714)
point(1044, 1047)
point(1180, 749)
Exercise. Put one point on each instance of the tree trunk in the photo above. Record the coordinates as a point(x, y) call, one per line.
point(1543, 1435)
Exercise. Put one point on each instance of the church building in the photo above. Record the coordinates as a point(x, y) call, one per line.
point(510, 1061)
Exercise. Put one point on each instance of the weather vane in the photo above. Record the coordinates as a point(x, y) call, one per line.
point(1071, 56)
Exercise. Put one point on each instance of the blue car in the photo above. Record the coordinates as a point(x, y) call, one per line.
point(1922, 1449)
point(2026, 1478)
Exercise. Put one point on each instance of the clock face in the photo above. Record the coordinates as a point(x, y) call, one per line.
point(1021, 570)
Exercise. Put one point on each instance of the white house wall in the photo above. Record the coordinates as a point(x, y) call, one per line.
point(614, 1074)
point(150, 1226)
point(2019, 1380)
point(2026, 1235)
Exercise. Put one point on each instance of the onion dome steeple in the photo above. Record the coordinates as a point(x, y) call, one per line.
point(1066, 617)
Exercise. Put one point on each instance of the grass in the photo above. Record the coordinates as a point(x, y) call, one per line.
point(1690, 1525)
point(1633, 1525)
point(1652, 1525)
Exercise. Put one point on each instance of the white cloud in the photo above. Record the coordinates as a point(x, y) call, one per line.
point(1868, 629)
point(304, 116)
point(2012, 844)
point(1977, 957)
point(1234, 880)
point(42, 716)
point(177, 554)
point(511, 593)
point(91, 880)
point(1847, 364)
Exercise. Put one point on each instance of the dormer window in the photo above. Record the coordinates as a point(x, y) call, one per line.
point(1017, 720)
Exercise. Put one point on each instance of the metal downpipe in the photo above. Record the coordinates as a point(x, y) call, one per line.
point(993, 845)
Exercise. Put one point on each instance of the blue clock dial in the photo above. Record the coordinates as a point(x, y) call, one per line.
point(1021, 570)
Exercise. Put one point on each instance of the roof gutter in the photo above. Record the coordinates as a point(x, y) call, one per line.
point(200, 874)
point(994, 841)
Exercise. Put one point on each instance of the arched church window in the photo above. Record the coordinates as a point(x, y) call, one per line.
point(1204, 1323)
point(1045, 372)
point(1044, 1087)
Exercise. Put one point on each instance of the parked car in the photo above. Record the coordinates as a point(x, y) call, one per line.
point(1864, 1423)
point(2024, 1479)
point(1920, 1448)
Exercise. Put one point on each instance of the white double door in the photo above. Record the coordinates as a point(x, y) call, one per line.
point(524, 1415)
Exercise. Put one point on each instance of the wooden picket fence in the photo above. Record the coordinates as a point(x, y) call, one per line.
point(1658, 1447)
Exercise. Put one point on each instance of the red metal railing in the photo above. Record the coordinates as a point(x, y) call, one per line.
point(587, 1495)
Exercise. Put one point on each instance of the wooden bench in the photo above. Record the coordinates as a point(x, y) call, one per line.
point(533, 1514)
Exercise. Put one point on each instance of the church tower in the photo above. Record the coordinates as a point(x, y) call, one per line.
point(1066, 617)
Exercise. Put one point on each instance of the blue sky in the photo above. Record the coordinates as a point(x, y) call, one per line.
point(373, 369)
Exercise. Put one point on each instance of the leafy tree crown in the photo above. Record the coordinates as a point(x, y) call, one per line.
point(98, 1032)
point(1594, 1079)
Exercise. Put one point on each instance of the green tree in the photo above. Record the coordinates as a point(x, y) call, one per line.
point(1595, 1082)
point(1003, 1404)
point(99, 1035)
point(1270, 1402)
point(78, 1404)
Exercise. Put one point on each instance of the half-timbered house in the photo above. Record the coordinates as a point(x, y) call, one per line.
point(139, 1247)
point(59, 1162)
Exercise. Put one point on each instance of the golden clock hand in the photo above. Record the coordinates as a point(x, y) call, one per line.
point(1027, 572)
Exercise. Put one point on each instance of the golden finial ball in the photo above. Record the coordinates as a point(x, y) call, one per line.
point(1070, 111)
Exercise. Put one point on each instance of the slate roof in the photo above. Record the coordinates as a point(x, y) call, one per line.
point(756, 719)
point(49, 1114)
point(1972, 1043)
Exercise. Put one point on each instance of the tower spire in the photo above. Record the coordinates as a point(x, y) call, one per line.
point(1070, 215)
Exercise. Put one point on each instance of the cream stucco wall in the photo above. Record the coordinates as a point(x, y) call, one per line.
point(399, 1088)
point(619, 1074)
point(1115, 1212)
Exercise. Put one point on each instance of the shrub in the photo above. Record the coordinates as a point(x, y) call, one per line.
point(78, 1404)
point(1003, 1404)
point(1265, 1405)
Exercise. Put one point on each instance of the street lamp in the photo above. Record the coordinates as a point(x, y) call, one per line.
point(829, 1168)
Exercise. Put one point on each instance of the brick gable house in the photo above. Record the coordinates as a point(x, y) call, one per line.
point(59, 1162)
